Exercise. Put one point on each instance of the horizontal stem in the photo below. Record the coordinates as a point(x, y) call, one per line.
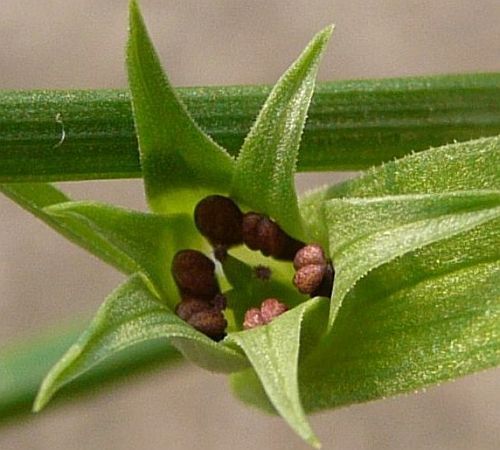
point(23, 367)
point(72, 135)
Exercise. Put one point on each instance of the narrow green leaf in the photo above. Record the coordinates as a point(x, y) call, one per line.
point(176, 155)
point(128, 240)
point(264, 175)
point(455, 167)
point(38, 197)
point(142, 242)
point(416, 300)
point(465, 168)
point(368, 232)
point(273, 351)
point(131, 315)
point(416, 245)
point(430, 316)
point(25, 362)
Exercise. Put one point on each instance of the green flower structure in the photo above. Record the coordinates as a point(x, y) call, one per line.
point(415, 244)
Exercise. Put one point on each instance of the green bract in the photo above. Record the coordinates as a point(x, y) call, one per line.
point(415, 244)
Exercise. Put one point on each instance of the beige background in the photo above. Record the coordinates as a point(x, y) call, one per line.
point(45, 280)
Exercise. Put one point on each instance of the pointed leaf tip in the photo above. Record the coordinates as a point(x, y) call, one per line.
point(326, 33)
point(265, 168)
point(177, 156)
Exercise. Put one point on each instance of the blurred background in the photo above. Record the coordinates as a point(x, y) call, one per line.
point(44, 280)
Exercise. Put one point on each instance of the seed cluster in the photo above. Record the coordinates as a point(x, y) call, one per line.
point(314, 272)
point(269, 309)
point(202, 302)
point(224, 225)
point(221, 221)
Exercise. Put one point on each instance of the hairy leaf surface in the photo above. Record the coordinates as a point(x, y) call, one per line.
point(131, 315)
point(179, 161)
point(416, 246)
point(264, 175)
point(273, 351)
point(143, 242)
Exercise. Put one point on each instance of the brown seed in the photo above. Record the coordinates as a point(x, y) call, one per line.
point(211, 322)
point(326, 285)
point(272, 308)
point(261, 233)
point(194, 274)
point(310, 254)
point(308, 278)
point(219, 302)
point(272, 239)
point(220, 220)
point(250, 224)
point(253, 318)
point(189, 306)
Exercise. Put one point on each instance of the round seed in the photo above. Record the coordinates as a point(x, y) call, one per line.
point(308, 278)
point(310, 254)
point(189, 306)
point(220, 220)
point(271, 238)
point(250, 224)
point(194, 274)
point(253, 318)
point(272, 308)
point(211, 322)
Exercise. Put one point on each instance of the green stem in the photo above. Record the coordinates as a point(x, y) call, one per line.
point(23, 367)
point(71, 135)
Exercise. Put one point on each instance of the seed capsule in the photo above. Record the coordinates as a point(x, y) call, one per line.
point(189, 306)
point(194, 274)
point(310, 254)
point(272, 308)
point(211, 322)
point(253, 318)
point(220, 220)
point(250, 225)
point(261, 233)
point(308, 278)
point(272, 238)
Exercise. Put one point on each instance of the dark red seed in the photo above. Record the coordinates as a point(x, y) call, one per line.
point(272, 239)
point(308, 278)
point(310, 254)
point(250, 225)
point(326, 285)
point(253, 318)
point(211, 322)
point(220, 220)
point(272, 308)
point(194, 274)
point(189, 306)
point(219, 302)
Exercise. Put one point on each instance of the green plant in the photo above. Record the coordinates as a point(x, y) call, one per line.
point(414, 243)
